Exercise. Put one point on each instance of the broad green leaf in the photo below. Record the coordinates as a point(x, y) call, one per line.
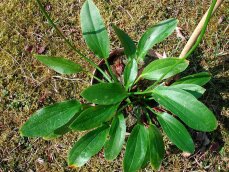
point(193, 89)
point(156, 69)
point(176, 132)
point(94, 31)
point(87, 146)
point(199, 79)
point(136, 149)
point(59, 64)
point(156, 147)
point(116, 139)
point(93, 117)
point(130, 73)
point(46, 120)
point(154, 35)
point(191, 111)
point(127, 42)
point(105, 93)
point(147, 158)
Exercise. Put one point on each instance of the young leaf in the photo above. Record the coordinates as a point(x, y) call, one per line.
point(93, 117)
point(193, 89)
point(104, 93)
point(59, 64)
point(176, 132)
point(46, 120)
point(87, 146)
point(199, 79)
point(156, 69)
point(127, 42)
point(194, 113)
point(94, 31)
point(116, 139)
point(154, 35)
point(156, 147)
point(130, 73)
point(136, 149)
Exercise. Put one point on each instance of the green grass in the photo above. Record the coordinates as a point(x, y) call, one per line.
point(26, 85)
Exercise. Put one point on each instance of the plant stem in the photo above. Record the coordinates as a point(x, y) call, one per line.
point(110, 71)
point(93, 76)
point(69, 43)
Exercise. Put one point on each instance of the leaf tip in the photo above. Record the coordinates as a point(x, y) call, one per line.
point(73, 166)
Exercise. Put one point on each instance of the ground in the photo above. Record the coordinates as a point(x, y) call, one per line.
point(26, 85)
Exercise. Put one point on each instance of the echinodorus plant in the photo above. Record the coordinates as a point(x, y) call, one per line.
point(155, 105)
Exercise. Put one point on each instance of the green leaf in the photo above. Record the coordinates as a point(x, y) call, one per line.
point(156, 147)
point(87, 146)
point(94, 31)
point(193, 89)
point(147, 159)
point(199, 79)
point(127, 42)
point(191, 111)
point(46, 120)
point(130, 73)
point(93, 117)
point(176, 132)
point(59, 64)
point(104, 93)
point(136, 149)
point(154, 35)
point(116, 139)
point(156, 69)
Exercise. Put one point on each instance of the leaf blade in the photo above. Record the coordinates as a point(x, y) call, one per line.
point(87, 146)
point(130, 73)
point(117, 133)
point(94, 31)
point(46, 120)
point(59, 64)
point(176, 132)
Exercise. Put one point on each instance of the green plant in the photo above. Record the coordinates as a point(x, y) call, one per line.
point(158, 104)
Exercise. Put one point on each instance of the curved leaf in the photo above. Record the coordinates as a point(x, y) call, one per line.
point(136, 149)
point(154, 35)
point(93, 117)
point(199, 79)
point(116, 139)
point(104, 93)
point(127, 42)
point(47, 120)
point(59, 64)
point(193, 89)
point(94, 31)
point(194, 113)
point(130, 73)
point(87, 146)
point(176, 132)
point(156, 69)
point(156, 147)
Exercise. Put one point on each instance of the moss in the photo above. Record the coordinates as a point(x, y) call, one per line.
point(26, 85)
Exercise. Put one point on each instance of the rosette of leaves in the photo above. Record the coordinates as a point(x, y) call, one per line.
point(104, 116)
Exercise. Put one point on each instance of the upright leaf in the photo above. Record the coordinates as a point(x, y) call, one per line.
point(93, 117)
point(136, 149)
point(105, 93)
point(94, 31)
point(116, 139)
point(59, 64)
point(193, 89)
point(47, 120)
point(87, 146)
point(199, 79)
point(176, 132)
point(156, 147)
point(127, 42)
point(130, 73)
point(154, 35)
point(156, 69)
point(194, 113)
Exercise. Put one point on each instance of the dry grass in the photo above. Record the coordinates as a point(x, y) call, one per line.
point(26, 85)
